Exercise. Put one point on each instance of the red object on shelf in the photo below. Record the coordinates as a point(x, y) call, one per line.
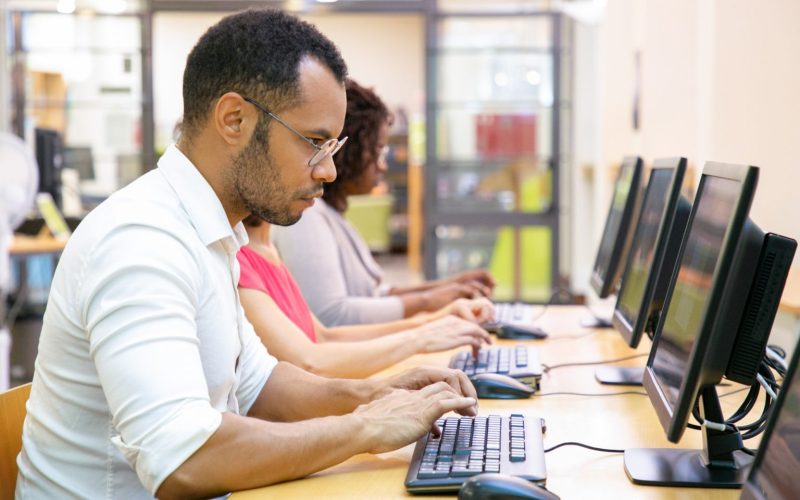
point(504, 136)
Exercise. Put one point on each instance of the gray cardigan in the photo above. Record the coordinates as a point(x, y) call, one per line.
point(335, 269)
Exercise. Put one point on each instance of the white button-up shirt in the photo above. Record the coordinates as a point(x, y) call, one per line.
point(144, 342)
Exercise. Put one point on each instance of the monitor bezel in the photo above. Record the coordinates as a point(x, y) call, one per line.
point(751, 489)
point(603, 285)
point(632, 331)
point(674, 420)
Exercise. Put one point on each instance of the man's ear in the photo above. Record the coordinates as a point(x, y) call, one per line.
point(234, 119)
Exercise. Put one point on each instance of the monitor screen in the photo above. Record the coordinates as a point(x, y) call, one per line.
point(715, 208)
point(775, 469)
point(618, 228)
point(653, 233)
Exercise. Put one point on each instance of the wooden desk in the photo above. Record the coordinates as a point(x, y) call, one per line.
point(30, 245)
point(612, 422)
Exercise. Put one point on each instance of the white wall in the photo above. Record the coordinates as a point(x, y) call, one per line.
point(720, 81)
point(756, 113)
point(384, 51)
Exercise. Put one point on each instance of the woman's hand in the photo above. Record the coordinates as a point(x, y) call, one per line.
point(478, 311)
point(451, 332)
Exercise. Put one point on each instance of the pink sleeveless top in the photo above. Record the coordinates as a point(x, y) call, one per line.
point(258, 273)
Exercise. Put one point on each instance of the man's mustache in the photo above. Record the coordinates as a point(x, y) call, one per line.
point(316, 192)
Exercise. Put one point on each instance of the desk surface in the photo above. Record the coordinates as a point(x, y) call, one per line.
point(29, 245)
point(621, 421)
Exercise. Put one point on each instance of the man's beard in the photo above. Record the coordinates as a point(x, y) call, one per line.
point(256, 177)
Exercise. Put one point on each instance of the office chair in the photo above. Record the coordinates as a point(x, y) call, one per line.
point(12, 415)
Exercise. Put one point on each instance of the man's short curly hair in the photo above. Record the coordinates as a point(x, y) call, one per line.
point(366, 112)
point(255, 53)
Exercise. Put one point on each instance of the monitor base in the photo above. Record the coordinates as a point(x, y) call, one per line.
point(619, 375)
point(596, 322)
point(680, 467)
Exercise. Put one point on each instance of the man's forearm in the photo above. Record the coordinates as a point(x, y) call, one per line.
point(247, 453)
point(304, 395)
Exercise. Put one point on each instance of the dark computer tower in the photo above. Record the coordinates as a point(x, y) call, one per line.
point(50, 157)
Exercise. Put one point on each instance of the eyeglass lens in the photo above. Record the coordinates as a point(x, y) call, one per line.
point(329, 147)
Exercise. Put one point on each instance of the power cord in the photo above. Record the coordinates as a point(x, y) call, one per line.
point(550, 301)
point(548, 368)
point(589, 447)
point(765, 377)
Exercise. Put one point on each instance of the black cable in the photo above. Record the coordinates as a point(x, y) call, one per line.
point(547, 368)
point(550, 302)
point(750, 430)
point(567, 393)
point(575, 443)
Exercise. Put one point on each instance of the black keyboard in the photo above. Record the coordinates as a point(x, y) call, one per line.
point(520, 362)
point(472, 445)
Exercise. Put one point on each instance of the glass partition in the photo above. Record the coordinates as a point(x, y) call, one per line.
point(80, 75)
point(497, 109)
point(520, 259)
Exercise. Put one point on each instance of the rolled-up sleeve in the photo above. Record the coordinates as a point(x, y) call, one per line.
point(255, 367)
point(139, 308)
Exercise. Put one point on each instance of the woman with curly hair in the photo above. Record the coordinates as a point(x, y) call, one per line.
point(332, 263)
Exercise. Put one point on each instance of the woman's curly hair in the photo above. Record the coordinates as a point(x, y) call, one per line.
point(366, 112)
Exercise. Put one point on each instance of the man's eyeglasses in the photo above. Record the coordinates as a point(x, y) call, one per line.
point(327, 148)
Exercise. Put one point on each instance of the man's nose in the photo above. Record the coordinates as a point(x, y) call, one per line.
point(325, 171)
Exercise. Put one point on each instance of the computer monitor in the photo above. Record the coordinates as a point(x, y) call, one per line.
point(81, 159)
point(618, 228)
point(777, 462)
point(49, 156)
point(775, 467)
point(650, 263)
point(716, 320)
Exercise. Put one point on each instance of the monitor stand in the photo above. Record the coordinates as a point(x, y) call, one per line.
point(596, 322)
point(619, 375)
point(720, 464)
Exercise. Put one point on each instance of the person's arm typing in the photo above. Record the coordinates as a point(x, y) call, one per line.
point(352, 359)
point(247, 452)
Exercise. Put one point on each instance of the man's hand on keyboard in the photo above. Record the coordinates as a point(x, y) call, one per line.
point(403, 416)
point(476, 310)
point(424, 376)
point(450, 332)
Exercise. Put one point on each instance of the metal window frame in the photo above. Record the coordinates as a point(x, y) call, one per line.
point(433, 217)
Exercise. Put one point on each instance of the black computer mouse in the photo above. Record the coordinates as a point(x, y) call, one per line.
point(493, 486)
point(497, 386)
point(520, 332)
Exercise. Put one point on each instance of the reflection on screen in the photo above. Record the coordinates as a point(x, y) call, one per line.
point(643, 246)
point(610, 233)
point(715, 209)
point(777, 473)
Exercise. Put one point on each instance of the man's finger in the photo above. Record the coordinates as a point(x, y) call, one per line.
point(436, 388)
point(465, 406)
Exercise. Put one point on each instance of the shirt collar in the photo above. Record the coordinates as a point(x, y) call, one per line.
point(198, 199)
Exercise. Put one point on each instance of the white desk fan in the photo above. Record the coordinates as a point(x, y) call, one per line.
point(19, 182)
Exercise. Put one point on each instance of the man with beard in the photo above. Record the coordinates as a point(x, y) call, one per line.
point(149, 380)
